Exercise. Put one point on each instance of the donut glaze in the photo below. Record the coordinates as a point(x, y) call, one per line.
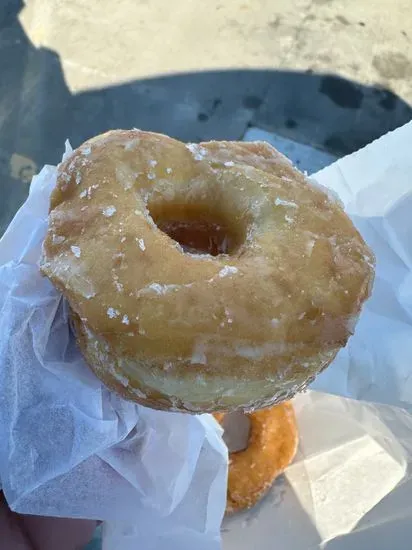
point(202, 277)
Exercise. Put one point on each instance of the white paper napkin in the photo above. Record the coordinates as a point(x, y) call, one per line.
point(351, 485)
point(71, 448)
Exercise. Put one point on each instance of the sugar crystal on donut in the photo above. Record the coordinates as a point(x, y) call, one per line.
point(225, 260)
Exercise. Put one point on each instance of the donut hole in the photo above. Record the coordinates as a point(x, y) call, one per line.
point(197, 229)
point(236, 426)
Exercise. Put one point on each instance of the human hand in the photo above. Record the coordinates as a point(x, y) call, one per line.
point(19, 532)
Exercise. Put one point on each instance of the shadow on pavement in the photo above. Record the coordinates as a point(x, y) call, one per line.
point(38, 111)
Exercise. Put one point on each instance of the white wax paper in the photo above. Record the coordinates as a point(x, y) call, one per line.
point(350, 487)
point(71, 448)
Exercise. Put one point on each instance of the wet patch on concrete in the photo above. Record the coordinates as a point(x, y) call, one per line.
point(341, 92)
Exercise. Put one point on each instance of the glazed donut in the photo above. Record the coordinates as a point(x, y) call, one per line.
point(272, 445)
point(202, 277)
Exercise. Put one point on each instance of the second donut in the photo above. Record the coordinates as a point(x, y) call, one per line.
point(272, 445)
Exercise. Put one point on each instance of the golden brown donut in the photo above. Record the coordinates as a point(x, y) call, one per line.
point(258, 297)
point(272, 445)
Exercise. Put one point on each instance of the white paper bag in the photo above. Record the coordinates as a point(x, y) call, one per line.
point(351, 485)
point(71, 448)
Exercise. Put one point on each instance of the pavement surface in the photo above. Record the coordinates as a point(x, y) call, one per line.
point(332, 74)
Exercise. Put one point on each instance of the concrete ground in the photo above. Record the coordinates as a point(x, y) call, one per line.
point(334, 74)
